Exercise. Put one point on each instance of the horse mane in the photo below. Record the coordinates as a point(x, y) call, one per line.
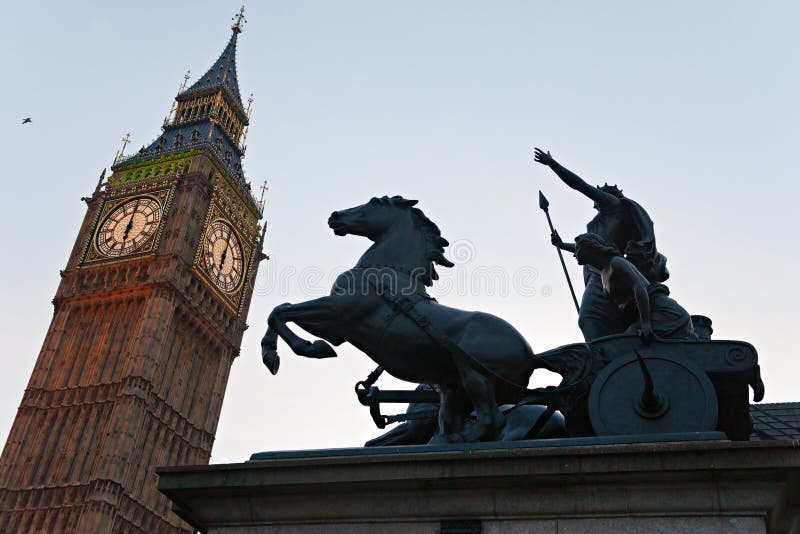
point(433, 236)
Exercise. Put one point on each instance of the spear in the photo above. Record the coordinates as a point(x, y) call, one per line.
point(545, 206)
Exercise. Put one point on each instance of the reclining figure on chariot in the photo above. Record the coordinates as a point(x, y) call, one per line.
point(646, 307)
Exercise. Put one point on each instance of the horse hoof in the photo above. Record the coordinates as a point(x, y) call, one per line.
point(321, 349)
point(455, 438)
point(476, 431)
point(271, 360)
point(438, 439)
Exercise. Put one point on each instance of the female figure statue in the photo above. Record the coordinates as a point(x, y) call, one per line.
point(621, 222)
point(646, 306)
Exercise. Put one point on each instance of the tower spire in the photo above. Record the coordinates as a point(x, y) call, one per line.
point(207, 115)
point(223, 72)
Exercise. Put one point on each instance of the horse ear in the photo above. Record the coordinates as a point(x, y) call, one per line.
point(406, 202)
point(444, 262)
point(443, 242)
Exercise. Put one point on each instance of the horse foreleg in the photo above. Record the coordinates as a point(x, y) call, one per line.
point(319, 310)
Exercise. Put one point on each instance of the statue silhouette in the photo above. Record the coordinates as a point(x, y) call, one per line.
point(622, 223)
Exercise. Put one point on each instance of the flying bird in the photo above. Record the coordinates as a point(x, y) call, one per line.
point(26, 120)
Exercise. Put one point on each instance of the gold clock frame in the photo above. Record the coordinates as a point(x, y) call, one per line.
point(235, 298)
point(163, 195)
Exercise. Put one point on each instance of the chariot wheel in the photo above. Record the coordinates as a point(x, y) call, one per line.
point(640, 394)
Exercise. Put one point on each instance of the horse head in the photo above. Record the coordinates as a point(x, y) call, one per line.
point(404, 237)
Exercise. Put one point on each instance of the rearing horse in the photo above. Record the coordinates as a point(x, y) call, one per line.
point(382, 308)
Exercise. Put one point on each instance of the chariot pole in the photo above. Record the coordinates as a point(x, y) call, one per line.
point(545, 206)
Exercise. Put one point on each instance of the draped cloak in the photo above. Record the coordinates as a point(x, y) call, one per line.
point(629, 228)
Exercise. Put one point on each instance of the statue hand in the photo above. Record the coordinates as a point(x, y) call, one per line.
point(556, 240)
point(646, 333)
point(542, 157)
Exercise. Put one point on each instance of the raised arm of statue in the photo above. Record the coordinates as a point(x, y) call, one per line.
point(574, 181)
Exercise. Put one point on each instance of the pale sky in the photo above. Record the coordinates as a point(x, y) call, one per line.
point(691, 107)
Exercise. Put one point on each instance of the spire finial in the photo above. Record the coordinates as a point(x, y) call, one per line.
point(185, 80)
point(264, 189)
point(100, 181)
point(125, 141)
point(263, 235)
point(239, 21)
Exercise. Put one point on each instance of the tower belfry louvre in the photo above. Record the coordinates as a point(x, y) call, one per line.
point(148, 318)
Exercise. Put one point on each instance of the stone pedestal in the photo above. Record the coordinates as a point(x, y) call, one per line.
point(552, 486)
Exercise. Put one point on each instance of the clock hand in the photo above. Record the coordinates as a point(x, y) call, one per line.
point(130, 222)
point(224, 255)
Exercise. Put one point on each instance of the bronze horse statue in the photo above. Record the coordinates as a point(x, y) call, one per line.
point(381, 306)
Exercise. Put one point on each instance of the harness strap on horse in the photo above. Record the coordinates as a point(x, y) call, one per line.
point(407, 306)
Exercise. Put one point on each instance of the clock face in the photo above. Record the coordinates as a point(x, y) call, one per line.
point(128, 226)
point(223, 254)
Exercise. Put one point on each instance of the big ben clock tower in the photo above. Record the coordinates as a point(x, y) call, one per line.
point(148, 318)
